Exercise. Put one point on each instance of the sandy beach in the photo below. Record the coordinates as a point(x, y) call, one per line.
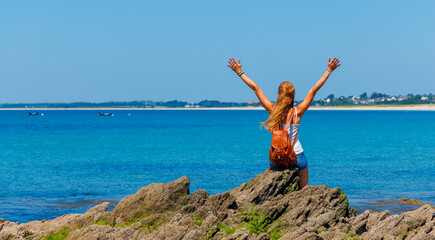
point(371, 108)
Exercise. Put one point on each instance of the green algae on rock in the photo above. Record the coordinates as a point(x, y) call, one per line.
point(268, 207)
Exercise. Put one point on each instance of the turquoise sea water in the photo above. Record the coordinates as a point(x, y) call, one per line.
point(63, 161)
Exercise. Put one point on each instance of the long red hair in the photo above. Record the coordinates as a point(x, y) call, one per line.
point(285, 101)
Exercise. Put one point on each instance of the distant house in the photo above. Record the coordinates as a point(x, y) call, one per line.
point(401, 98)
point(424, 98)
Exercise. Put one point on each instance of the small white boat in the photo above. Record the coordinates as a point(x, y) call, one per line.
point(105, 114)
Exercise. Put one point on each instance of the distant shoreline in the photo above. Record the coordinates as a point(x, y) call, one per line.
point(397, 108)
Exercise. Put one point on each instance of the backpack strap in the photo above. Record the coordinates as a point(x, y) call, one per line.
point(287, 126)
point(296, 136)
point(296, 120)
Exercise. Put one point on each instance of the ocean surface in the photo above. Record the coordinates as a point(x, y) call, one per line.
point(66, 161)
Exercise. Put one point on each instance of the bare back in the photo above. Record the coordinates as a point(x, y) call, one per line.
point(295, 120)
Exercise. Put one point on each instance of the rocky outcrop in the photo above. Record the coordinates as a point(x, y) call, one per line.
point(267, 207)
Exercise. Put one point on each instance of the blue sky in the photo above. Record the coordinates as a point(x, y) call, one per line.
point(67, 51)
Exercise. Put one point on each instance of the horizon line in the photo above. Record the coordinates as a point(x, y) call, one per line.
point(249, 101)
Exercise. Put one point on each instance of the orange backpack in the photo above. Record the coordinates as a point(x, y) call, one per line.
point(281, 151)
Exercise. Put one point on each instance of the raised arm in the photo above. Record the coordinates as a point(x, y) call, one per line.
point(237, 68)
point(304, 105)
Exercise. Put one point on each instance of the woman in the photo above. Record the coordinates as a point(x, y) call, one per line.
point(279, 113)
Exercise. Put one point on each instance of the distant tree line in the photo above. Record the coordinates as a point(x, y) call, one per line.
point(375, 99)
point(364, 99)
point(133, 104)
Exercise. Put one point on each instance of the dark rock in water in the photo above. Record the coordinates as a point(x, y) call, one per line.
point(267, 207)
point(409, 201)
point(83, 204)
point(394, 206)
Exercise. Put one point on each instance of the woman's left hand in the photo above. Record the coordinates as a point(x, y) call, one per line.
point(334, 64)
point(236, 67)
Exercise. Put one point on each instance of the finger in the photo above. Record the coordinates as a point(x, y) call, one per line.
point(230, 63)
point(233, 60)
point(239, 62)
point(229, 66)
point(338, 65)
point(333, 60)
point(329, 60)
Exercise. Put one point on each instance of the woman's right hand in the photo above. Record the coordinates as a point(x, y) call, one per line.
point(333, 65)
point(236, 67)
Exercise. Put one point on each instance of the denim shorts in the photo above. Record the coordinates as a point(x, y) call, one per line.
point(301, 163)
